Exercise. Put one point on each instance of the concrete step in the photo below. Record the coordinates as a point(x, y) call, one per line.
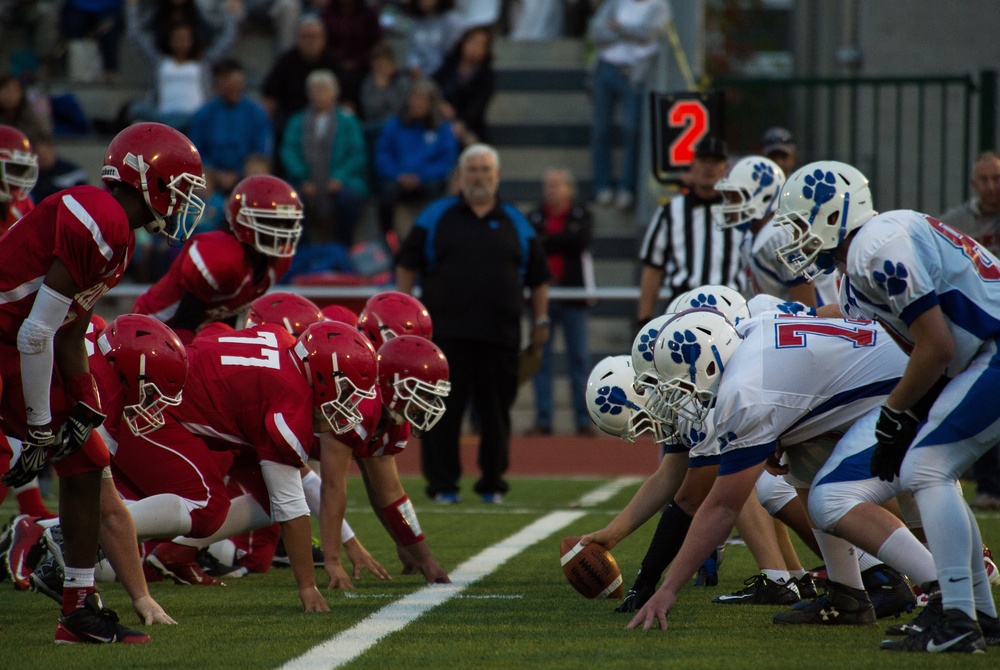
point(542, 54)
point(552, 107)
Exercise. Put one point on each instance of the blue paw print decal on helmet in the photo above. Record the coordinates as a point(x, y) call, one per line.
point(893, 277)
point(694, 437)
point(702, 301)
point(612, 400)
point(645, 346)
point(684, 348)
point(763, 174)
point(820, 188)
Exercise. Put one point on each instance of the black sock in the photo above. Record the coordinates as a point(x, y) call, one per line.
point(667, 540)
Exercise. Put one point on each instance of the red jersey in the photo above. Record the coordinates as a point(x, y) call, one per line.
point(217, 269)
point(245, 391)
point(376, 435)
point(86, 229)
point(15, 210)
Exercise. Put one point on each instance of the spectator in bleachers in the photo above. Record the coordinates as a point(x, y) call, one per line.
point(353, 30)
point(415, 154)
point(54, 172)
point(566, 228)
point(40, 19)
point(433, 31)
point(182, 73)
point(15, 109)
point(284, 87)
point(467, 81)
point(383, 92)
point(230, 127)
point(627, 34)
point(281, 16)
point(323, 155)
point(158, 16)
point(100, 19)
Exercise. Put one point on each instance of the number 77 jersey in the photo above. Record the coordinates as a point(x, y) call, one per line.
point(245, 391)
point(796, 378)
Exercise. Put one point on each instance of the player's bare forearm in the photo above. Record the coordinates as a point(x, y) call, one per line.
point(335, 458)
point(540, 301)
point(370, 491)
point(297, 535)
point(384, 478)
point(70, 348)
point(649, 290)
point(831, 311)
point(933, 349)
point(405, 279)
point(804, 292)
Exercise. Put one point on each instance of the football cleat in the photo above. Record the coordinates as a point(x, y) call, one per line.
point(991, 568)
point(172, 560)
point(708, 573)
point(640, 592)
point(95, 624)
point(806, 587)
point(839, 606)
point(280, 559)
point(933, 614)
point(25, 551)
point(889, 591)
point(47, 578)
point(213, 567)
point(955, 632)
point(761, 591)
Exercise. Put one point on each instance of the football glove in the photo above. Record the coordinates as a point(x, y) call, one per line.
point(894, 432)
point(32, 460)
point(76, 430)
point(640, 591)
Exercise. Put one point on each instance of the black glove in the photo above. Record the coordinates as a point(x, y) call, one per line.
point(76, 430)
point(641, 591)
point(894, 432)
point(32, 460)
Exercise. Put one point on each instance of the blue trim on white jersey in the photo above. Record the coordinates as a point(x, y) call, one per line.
point(878, 388)
point(854, 468)
point(855, 293)
point(967, 419)
point(738, 460)
point(969, 316)
point(704, 461)
point(918, 307)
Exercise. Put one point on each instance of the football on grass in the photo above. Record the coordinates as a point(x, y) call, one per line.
point(591, 570)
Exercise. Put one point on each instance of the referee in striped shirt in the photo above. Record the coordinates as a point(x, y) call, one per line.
point(683, 245)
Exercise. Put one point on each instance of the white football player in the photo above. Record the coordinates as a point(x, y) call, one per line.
point(750, 196)
point(937, 291)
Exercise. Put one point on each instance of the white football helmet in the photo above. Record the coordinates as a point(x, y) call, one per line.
point(692, 351)
point(642, 355)
point(614, 405)
point(820, 205)
point(718, 297)
point(749, 192)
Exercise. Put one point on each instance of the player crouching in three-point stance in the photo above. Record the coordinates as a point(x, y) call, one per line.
point(55, 263)
point(938, 293)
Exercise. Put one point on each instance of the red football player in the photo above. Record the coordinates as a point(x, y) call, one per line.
point(281, 308)
point(263, 396)
point(219, 273)
point(18, 174)
point(55, 263)
point(392, 313)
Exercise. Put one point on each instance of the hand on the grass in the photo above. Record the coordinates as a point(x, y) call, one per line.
point(313, 600)
point(601, 537)
point(338, 576)
point(362, 560)
point(655, 610)
point(434, 573)
point(406, 558)
point(149, 611)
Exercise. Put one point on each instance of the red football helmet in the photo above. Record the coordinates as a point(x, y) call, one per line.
point(18, 165)
point(342, 314)
point(165, 167)
point(413, 379)
point(341, 368)
point(152, 364)
point(390, 314)
point(288, 310)
point(266, 212)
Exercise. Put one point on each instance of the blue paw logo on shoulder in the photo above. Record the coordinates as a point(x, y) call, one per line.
point(724, 440)
point(893, 277)
point(702, 301)
point(612, 400)
point(645, 346)
point(792, 308)
point(694, 437)
point(763, 174)
point(820, 188)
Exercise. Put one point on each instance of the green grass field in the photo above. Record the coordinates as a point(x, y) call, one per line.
point(524, 614)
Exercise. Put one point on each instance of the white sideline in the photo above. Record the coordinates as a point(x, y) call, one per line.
point(355, 641)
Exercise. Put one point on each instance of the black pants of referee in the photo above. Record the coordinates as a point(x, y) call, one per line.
point(487, 374)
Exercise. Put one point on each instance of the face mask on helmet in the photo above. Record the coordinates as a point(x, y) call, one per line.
point(615, 407)
point(418, 402)
point(147, 415)
point(280, 235)
point(750, 192)
point(344, 413)
point(18, 174)
point(183, 211)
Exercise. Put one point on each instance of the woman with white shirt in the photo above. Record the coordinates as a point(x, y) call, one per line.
point(182, 76)
point(627, 35)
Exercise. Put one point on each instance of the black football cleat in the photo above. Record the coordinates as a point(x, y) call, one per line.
point(95, 624)
point(840, 606)
point(889, 591)
point(760, 591)
point(955, 633)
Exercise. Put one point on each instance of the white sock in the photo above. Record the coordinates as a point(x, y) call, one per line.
point(163, 515)
point(78, 578)
point(777, 576)
point(841, 560)
point(904, 552)
point(949, 535)
point(866, 560)
point(797, 574)
point(245, 514)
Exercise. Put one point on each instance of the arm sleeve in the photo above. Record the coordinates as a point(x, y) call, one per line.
point(284, 486)
point(35, 344)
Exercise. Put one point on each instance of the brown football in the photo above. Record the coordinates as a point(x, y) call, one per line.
point(591, 570)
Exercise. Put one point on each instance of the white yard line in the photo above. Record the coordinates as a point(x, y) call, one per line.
point(355, 641)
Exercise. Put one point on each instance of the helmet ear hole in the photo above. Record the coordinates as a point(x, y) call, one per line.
point(161, 185)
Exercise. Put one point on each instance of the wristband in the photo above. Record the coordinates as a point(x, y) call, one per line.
point(83, 388)
point(402, 520)
point(542, 321)
point(346, 532)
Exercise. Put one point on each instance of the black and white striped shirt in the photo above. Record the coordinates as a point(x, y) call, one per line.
point(683, 240)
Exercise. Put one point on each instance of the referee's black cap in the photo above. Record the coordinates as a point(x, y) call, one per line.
point(711, 146)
